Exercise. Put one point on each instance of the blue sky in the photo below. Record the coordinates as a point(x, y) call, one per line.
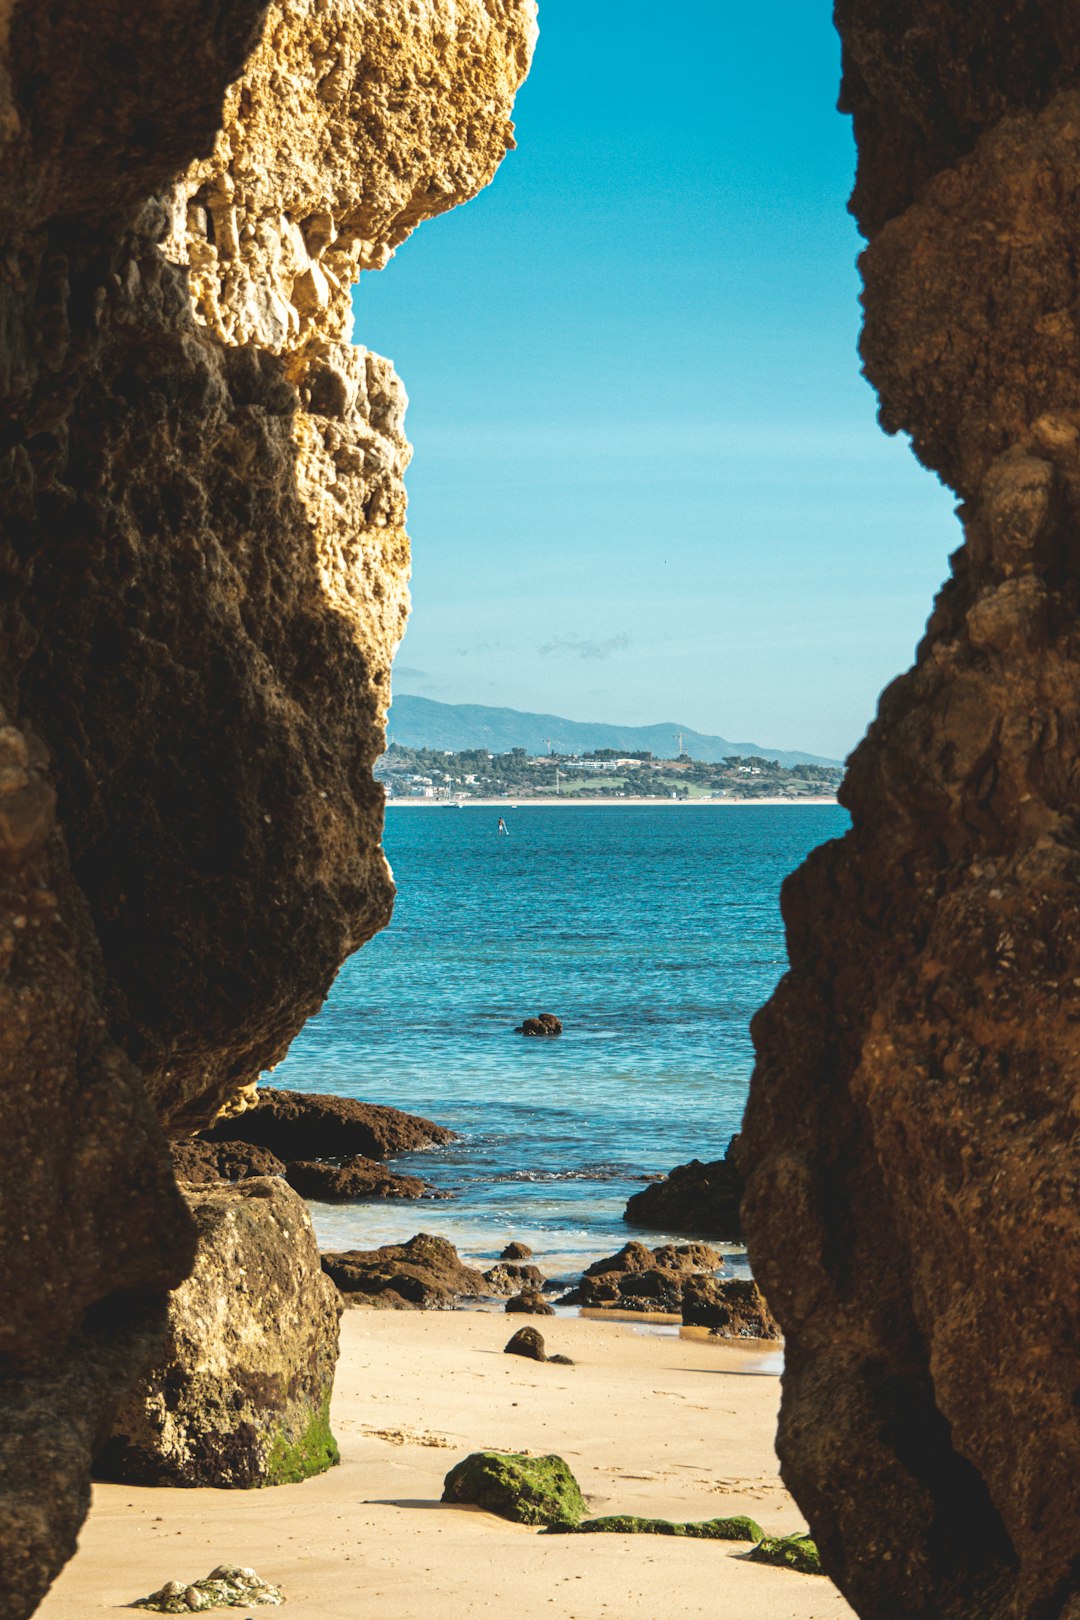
point(648, 482)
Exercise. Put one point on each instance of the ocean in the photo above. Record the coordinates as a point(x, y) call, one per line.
point(654, 934)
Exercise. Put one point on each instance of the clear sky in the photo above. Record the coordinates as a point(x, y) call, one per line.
point(648, 482)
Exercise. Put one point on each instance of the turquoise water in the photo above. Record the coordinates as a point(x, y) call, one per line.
point(654, 934)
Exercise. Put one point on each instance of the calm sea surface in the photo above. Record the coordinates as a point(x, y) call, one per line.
point(653, 933)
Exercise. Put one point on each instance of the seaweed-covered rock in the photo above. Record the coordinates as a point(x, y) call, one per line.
point(227, 1587)
point(241, 1394)
point(516, 1251)
point(694, 1197)
point(737, 1528)
point(528, 1490)
point(788, 1552)
point(732, 1309)
point(354, 1179)
point(510, 1278)
point(316, 1125)
point(424, 1274)
point(530, 1303)
point(199, 1163)
point(527, 1341)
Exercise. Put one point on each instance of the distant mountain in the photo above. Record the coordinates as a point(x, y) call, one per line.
point(417, 722)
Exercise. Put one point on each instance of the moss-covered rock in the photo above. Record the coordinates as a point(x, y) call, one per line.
point(226, 1587)
point(528, 1490)
point(789, 1552)
point(738, 1528)
point(316, 1450)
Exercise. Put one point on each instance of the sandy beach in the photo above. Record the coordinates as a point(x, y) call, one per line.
point(656, 1425)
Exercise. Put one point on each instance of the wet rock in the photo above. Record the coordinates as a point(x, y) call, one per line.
point(199, 1163)
point(424, 1274)
point(642, 1279)
point(788, 1552)
point(530, 1303)
point(240, 1395)
point(299, 1125)
point(527, 1341)
point(694, 1197)
point(507, 1278)
point(545, 1025)
point(516, 1251)
point(627, 1524)
point(681, 1257)
point(732, 1309)
point(353, 1179)
point(527, 1490)
point(227, 1587)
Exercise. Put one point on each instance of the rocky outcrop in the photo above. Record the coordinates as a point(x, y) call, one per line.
point(731, 1308)
point(643, 1279)
point(203, 571)
point(352, 1180)
point(911, 1139)
point(240, 1394)
point(511, 1278)
point(529, 1302)
point(424, 1274)
point(316, 1125)
point(695, 1197)
point(203, 1163)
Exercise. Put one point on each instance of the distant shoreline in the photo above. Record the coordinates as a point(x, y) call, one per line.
point(605, 804)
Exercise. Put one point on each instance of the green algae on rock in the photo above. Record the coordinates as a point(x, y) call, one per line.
point(738, 1528)
point(788, 1552)
point(528, 1490)
point(227, 1587)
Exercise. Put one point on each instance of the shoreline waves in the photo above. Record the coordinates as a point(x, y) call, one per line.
point(572, 803)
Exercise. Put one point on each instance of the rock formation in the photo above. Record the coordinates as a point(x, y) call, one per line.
point(694, 1197)
point(318, 1125)
point(240, 1393)
point(424, 1274)
point(911, 1139)
point(203, 572)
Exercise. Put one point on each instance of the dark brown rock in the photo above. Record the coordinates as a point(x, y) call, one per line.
point(911, 1142)
point(199, 1163)
point(694, 1197)
point(508, 1278)
point(353, 1179)
point(424, 1274)
point(527, 1341)
point(516, 1251)
point(642, 1279)
point(734, 1308)
point(546, 1025)
point(240, 1393)
point(530, 1303)
point(316, 1125)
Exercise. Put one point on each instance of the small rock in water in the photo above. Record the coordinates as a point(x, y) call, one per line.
point(516, 1251)
point(527, 1341)
point(545, 1024)
point(229, 1586)
point(530, 1303)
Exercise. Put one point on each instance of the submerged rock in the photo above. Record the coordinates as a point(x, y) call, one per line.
point(788, 1552)
point(240, 1395)
point(530, 1303)
point(624, 1524)
point(316, 1125)
point(354, 1179)
point(545, 1025)
point(424, 1274)
point(527, 1490)
point(226, 1587)
point(694, 1197)
point(733, 1309)
point(200, 1163)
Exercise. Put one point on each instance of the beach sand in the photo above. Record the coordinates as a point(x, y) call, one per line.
point(657, 1425)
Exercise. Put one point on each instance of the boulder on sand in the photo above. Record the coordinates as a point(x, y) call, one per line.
point(694, 1197)
point(353, 1179)
point(240, 1394)
point(527, 1341)
point(527, 1490)
point(424, 1274)
point(544, 1025)
point(315, 1125)
point(735, 1309)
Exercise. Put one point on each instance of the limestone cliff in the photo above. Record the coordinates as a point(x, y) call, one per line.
point(911, 1139)
point(203, 572)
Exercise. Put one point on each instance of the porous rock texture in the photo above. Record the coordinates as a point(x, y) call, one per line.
point(203, 571)
point(239, 1394)
point(911, 1139)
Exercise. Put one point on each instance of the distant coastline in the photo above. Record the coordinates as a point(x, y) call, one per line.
point(508, 803)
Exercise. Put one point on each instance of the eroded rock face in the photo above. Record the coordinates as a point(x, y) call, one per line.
point(203, 569)
point(911, 1140)
point(240, 1393)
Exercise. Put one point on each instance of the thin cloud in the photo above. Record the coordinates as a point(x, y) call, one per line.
point(580, 647)
point(403, 672)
